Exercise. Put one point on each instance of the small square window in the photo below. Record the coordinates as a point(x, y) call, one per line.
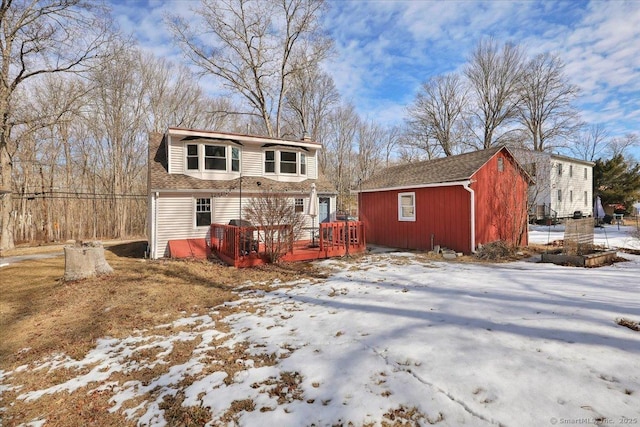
point(406, 206)
point(299, 205)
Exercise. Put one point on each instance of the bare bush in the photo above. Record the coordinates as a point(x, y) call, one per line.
point(280, 224)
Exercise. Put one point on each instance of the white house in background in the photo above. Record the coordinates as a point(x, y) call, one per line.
point(199, 177)
point(563, 185)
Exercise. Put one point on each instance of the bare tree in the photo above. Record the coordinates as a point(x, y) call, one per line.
point(309, 100)
point(369, 155)
point(494, 74)
point(590, 143)
point(337, 159)
point(39, 38)
point(254, 47)
point(280, 224)
point(621, 145)
point(545, 109)
point(438, 109)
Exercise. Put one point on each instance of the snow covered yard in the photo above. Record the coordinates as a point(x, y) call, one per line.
point(393, 338)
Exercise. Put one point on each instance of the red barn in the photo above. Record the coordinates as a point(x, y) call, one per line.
point(457, 202)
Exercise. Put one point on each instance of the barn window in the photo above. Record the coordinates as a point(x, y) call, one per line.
point(407, 207)
point(203, 212)
point(500, 164)
point(299, 205)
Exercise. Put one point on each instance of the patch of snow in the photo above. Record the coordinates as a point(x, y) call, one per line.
point(452, 343)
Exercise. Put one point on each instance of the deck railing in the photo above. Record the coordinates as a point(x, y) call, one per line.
point(235, 244)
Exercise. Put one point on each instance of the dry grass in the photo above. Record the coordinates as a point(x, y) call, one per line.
point(41, 315)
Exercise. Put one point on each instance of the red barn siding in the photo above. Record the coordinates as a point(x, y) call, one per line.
point(501, 202)
point(443, 212)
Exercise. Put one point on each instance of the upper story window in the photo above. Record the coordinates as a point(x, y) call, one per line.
point(571, 170)
point(215, 157)
point(559, 169)
point(585, 173)
point(288, 162)
point(270, 161)
point(192, 157)
point(285, 162)
point(235, 159)
point(209, 157)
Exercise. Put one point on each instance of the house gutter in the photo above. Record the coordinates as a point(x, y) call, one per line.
point(466, 185)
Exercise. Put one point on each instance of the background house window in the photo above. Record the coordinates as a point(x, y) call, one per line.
point(559, 195)
point(571, 170)
point(559, 169)
point(215, 157)
point(288, 162)
point(299, 205)
point(203, 212)
point(585, 197)
point(235, 159)
point(500, 164)
point(570, 193)
point(585, 173)
point(192, 157)
point(303, 164)
point(406, 206)
point(270, 161)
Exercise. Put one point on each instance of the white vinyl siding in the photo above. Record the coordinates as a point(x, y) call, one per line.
point(175, 220)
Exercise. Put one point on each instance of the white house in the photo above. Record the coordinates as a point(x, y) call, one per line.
point(199, 177)
point(563, 185)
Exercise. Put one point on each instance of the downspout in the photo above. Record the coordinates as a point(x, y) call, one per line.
point(154, 227)
point(473, 215)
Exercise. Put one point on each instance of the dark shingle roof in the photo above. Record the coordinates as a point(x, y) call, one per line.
point(435, 171)
point(160, 179)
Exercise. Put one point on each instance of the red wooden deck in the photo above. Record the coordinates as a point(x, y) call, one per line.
point(243, 247)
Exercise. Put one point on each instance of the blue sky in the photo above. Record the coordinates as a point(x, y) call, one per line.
point(386, 49)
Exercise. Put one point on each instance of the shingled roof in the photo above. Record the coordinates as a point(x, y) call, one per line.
point(442, 170)
point(161, 179)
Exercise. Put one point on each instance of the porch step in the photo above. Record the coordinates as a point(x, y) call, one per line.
point(189, 248)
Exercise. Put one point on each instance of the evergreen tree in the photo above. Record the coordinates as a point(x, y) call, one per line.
point(617, 181)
